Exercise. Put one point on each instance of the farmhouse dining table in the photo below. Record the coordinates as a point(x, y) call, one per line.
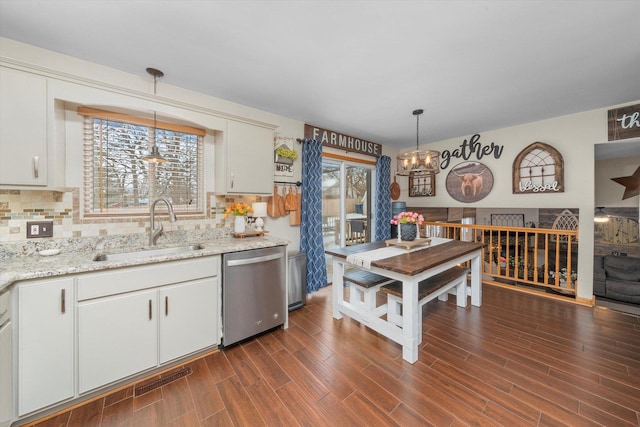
point(409, 267)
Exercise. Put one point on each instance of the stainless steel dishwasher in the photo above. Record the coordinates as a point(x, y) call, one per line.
point(253, 292)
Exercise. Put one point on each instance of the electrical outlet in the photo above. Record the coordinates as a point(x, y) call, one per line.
point(37, 229)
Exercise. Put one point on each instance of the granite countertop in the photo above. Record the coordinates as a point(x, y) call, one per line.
point(79, 257)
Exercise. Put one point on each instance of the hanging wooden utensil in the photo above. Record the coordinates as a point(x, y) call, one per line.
point(295, 217)
point(395, 189)
point(281, 210)
point(290, 201)
point(272, 203)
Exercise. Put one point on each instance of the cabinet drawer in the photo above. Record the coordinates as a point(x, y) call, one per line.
point(129, 279)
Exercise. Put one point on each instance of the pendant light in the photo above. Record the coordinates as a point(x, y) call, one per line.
point(418, 161)
point(154, 156)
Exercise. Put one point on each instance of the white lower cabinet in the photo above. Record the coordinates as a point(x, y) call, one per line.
point(117, 337)
point(6, 360)
point(134, 319)
point(45, 343)
point(6, 389)
point(188, 317)
point(82, 333)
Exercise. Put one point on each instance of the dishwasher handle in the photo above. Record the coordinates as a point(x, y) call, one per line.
point(256, 260)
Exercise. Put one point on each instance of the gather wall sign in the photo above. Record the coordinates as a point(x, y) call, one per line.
point(472, 149)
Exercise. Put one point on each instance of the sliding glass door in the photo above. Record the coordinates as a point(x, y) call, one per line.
point(346, 204)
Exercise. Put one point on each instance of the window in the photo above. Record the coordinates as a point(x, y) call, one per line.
point(118, 182)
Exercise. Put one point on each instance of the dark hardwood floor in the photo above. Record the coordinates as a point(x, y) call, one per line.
point(517, 360)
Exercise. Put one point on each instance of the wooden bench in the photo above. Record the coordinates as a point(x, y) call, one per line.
point(363, 289)
point(436, 286)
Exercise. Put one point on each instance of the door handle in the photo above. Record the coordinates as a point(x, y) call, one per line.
point(36, 171)
point(150, 310)
point(166, 305)
point(255, 260)
point(63, 304)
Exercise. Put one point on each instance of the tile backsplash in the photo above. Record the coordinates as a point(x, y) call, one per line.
point(63, 208)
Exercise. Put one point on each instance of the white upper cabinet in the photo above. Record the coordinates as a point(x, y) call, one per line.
point(244, 160)
point(23, 128)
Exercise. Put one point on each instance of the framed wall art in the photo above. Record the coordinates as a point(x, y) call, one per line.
point(284, 157)
point(422, 184)
point(469, 182)
point(539, 168)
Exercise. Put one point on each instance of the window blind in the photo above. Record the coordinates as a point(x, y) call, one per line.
point(117, 181)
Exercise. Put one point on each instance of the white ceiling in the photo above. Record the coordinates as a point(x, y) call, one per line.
point(362, 67)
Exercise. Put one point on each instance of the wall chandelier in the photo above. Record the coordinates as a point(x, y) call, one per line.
point(418, 161)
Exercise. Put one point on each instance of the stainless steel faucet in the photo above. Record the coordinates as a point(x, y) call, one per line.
point(153, 233)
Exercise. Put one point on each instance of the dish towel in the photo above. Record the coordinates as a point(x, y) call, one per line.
point(364, 259)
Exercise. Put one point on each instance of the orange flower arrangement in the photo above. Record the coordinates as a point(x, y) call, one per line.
point(238, 209)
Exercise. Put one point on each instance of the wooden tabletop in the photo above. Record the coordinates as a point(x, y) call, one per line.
point(415, 262)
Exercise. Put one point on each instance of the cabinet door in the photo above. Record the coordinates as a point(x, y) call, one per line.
point(45, 343)
point(249, 159)
point(23, 128)
point(117, 337)
point(6, 385)
point(188, 317)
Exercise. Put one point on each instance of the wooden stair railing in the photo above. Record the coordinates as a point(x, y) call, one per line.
point(533, 258)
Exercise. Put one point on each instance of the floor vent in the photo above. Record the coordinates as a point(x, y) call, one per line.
point(163, 380)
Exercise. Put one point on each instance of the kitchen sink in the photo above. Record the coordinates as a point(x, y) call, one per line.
point(144, 253)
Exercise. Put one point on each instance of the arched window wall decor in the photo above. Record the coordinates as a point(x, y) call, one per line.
point(538, 168)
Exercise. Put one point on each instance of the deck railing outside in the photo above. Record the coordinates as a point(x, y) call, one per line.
point(529, 258)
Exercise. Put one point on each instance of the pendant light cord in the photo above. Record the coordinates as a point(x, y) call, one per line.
point(417, 130)
point(155, 120)
point(417, 114)
point(154, 156)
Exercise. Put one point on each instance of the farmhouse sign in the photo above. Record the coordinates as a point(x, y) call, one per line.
point(341, 141)
point(624, 122)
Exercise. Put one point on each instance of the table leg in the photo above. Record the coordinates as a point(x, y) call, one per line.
point(338, 287)
point(411, 315)
point(476, 280)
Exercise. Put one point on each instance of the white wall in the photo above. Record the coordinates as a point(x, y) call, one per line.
point(574, 136)
point(609, 193)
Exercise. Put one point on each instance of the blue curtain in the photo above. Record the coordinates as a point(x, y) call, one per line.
point(383, 198)
point(311, 223)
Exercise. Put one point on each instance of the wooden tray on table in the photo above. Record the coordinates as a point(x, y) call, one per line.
point(408, 245)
